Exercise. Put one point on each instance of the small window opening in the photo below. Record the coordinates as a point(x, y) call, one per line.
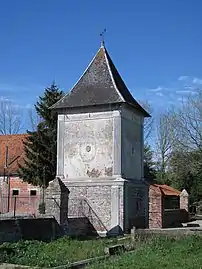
point(15, 192)
point(32, 192)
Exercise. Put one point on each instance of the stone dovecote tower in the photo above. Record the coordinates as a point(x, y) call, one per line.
point(100, 148)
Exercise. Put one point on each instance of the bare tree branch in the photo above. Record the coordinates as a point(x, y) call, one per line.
point(10, 118)
point(164, 142)
point(148, 122)
point(33, 119)
point(187, 123)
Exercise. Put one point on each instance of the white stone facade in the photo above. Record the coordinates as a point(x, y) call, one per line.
point(100, 145)
point(100, 157)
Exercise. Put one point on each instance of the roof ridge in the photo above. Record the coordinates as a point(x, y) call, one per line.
point(111, 74)
point(11, 135)
point(99, 84)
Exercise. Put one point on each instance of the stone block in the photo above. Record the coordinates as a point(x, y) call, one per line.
point(56, 201)
point(116, 249)
point(184, 200)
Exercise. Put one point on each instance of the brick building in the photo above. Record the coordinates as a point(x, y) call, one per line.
point(26, 195)
point(168, 207)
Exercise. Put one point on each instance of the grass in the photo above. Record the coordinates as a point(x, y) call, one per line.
point(155, 252)
point(52, 254)
point(159, 252)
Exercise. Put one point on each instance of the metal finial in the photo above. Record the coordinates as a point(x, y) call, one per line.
point(102, 37)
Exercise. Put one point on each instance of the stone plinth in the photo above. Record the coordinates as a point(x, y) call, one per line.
point(112, 206)
point(56, 201)
point(184, 200)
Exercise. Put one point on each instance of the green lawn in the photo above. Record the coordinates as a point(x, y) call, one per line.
point(158, 253)
point(151, 253)
point(51, 254)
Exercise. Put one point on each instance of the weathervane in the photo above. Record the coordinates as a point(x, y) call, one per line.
point(102, 36)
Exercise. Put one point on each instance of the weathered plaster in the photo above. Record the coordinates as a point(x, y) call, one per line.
point(131, 145)
point(60, 146)
point(88, 148)
point(117, 145)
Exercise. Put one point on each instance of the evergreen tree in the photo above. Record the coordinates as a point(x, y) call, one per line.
point(149, 171)
point(41, 145)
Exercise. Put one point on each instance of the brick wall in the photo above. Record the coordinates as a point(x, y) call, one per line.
point(155, 207)
point(159, 216)
point(24, 201)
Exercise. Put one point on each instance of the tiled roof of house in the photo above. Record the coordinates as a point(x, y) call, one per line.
point(100, 84)
point(15, 152)
point(167, 190)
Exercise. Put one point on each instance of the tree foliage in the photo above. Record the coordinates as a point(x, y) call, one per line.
point(41, 145)
point(149, 170)
point(186, 173)
point(179, 146)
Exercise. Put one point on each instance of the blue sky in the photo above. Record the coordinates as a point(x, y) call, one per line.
point(156, 46)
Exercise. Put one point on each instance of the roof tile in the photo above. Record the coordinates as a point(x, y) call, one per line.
point(15, 152)
point(100, 84)
point(167, 190)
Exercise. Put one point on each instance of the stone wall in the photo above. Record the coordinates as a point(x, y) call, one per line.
point(28, 229)
point(98, 198)
point(132, 145)
point(102, 145)
point(174, 218)
point(184, 200)
point(56, 201)
point(114, 206)
point(85, 145)
point(136, 198)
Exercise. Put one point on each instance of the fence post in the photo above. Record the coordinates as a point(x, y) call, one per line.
point(132, 234)
point(8, 181)
point(15, 200)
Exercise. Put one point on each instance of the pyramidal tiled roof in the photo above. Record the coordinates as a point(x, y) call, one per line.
point(100, 84)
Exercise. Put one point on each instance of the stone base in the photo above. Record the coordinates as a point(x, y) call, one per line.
point(111, 206)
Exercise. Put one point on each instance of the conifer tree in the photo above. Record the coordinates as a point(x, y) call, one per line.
point(149, 171)
point(41, 145)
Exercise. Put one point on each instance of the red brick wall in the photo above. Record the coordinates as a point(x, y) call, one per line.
point(155, 207)
point(24, 202)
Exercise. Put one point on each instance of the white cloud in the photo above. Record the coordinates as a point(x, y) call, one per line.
point(182, 78)
point(186, 92)
point(158, 89)
point(174, 92)
point(159, 94)
point(5, 99)
point(197, 81)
